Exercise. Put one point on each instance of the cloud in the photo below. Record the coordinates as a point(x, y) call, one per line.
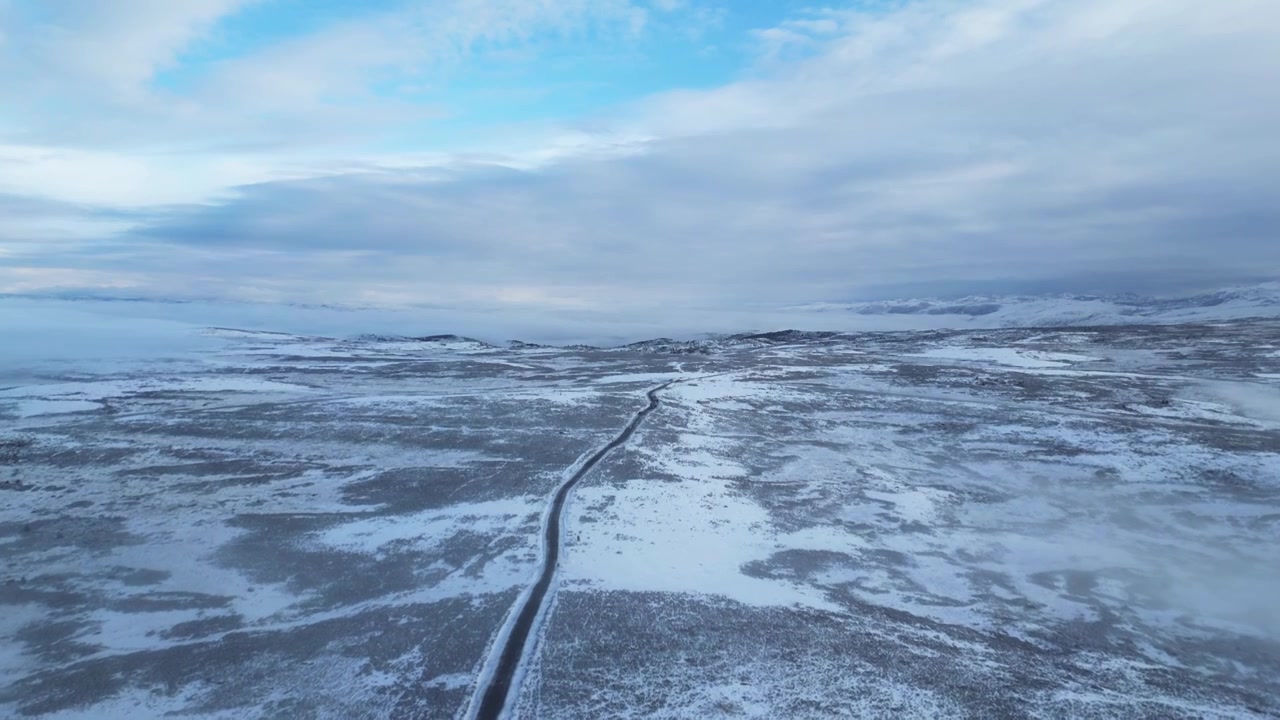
point(1005, 143)
point(33, 227)
point(314, 88)
point(117, 47)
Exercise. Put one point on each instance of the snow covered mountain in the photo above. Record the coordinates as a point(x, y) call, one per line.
point(38, 328)
point(1258, 301)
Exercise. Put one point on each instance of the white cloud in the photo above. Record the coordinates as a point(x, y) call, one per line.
point(933, 145)
point(117, 46)
point(316, 87)
point(300, 106)
point(121, 180)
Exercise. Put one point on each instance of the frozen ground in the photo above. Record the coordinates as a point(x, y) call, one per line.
point(1002, 523)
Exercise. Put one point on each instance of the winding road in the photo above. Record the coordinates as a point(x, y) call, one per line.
point(494, 696)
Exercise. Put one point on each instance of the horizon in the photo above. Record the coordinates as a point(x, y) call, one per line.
point(57, 328)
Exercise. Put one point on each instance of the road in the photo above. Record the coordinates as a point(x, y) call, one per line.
point(495, 696)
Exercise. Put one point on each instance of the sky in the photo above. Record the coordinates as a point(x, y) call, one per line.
point(635, 157)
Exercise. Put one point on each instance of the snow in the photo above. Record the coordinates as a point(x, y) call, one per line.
point(13, 661)
point(34, 407)
point(97, 390)
point(646, 378)
point(680, 538)
point(430, 527)
point(911, 504)
point(821, 537)
point(1259, 301)
point(1116, 703)
point(147, 703)
point(180, 547)
point(1252, 400)
point(452, 681)
point(1006, 356)
point(784, 482)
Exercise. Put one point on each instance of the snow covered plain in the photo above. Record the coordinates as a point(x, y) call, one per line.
point(1004, 523)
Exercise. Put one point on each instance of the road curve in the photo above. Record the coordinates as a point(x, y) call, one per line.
point(494, 696)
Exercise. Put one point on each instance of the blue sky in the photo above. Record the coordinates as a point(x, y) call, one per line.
point(639, 156)
point(553, 73)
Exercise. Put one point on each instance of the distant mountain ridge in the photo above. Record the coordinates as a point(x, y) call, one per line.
point(47, 328)
point(1257, 301)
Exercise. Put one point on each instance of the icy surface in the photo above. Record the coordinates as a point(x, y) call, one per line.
point(1007, 356)
point(1044, 522)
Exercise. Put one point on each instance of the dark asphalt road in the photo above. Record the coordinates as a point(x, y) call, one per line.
point(499, 689)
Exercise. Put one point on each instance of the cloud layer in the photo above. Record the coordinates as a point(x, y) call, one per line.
point(935, 147)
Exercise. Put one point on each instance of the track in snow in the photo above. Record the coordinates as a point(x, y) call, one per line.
point(495, 695)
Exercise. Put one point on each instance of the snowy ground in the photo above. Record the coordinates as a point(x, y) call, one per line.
point(1001, 523)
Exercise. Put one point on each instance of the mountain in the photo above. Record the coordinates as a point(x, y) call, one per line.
point(1258, 301)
